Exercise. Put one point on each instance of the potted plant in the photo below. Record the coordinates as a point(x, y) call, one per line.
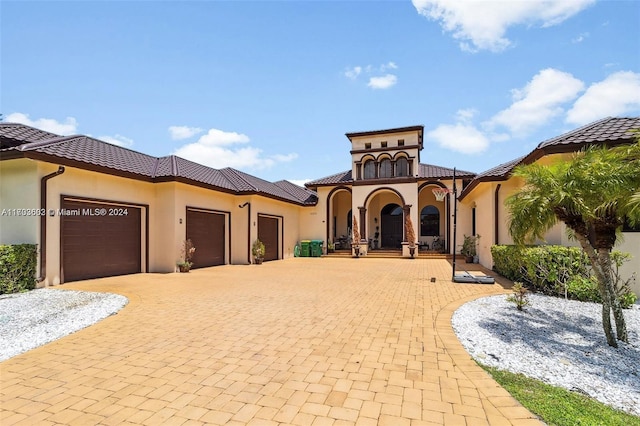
point(411, 236)
point(186, 255)
point(469, 250)
point(330, 247)
point(258, 252)
point(356, 237)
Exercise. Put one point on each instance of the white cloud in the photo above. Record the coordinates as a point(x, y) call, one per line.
point(215, 137)
point(68, 127)
point(580, 38)
point(482, 25)
point(466, 115)
point(375, 81)
point(183, 132)
point(388, 66)
point(538, 102)
point(460, 137)
point(383, 82)
point(215, 149)
point(118, 140)
point(616, 95)
point(353, 73)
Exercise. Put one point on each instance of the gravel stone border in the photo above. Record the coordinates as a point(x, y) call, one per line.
point(31, 319)
point(557, 341)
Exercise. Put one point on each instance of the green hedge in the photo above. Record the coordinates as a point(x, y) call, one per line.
point(18, 267)
point(552, 270)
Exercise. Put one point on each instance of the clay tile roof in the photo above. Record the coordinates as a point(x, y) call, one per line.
point(338, 178)
point(87, 150)
point(236, 178)
point(430, 171)
point(249, 183)
point(14, 134)
point(305, 195)
point(610, 130)
point(501, 170)
point(197, 172)
point(93, 154)
point(165, 167)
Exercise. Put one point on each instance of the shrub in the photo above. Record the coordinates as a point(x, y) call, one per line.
point(558, 271)
point(507, 261)
point(17, 267)
point(584, 289)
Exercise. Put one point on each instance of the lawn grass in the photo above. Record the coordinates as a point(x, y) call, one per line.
point(557, 406)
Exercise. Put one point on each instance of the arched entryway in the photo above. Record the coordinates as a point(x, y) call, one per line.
point(435, 217)
point(391, 228)
point(339, 215)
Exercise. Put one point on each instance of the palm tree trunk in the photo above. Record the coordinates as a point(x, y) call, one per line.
point(604, 259)
point(606, 322)
point(603, 289)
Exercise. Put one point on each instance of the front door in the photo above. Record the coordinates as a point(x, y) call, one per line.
point(391, 226)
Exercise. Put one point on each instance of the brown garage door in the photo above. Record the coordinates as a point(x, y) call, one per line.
point(268, 234)
point(205, 229)
point(95, 244)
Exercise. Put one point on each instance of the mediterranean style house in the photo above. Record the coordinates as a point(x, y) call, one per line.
point(95, 209)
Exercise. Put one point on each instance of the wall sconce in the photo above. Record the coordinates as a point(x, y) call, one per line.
point(375, 220)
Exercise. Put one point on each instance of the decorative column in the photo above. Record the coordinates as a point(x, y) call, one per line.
point(407, 246)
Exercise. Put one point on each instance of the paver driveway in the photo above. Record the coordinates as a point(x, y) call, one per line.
point(307, 341)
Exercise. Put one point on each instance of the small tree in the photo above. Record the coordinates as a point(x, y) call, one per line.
point(592, 194)
point(519, 296)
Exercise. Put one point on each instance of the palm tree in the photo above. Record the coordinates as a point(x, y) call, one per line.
point(591, 194)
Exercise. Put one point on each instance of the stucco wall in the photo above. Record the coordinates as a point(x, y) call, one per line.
point(410, 148)
point(19, 189)
point(630, 243)
point(484, 195)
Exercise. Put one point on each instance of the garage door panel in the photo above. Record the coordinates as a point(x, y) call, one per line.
point(206, 230)
point(100, 246)
point(268, 234)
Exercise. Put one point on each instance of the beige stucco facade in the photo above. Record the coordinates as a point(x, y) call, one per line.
point(163, 205)
point(386, 184)
point(493, 223)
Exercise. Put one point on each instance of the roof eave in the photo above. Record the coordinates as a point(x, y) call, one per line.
point(419, 128)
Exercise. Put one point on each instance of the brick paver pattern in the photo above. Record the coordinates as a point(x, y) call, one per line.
point(306, 341)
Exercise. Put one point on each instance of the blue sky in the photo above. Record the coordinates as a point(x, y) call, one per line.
point(271, 87)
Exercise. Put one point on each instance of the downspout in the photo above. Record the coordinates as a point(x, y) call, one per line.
point(43, 221)
point(496, 235)
point(455, 224)
point(248, 230)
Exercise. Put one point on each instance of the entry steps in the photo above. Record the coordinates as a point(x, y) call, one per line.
point(389, 254)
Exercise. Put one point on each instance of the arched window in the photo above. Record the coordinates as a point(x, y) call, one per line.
point(369, 169)
point(402, 167)
point(385, 168)
point(430, 221)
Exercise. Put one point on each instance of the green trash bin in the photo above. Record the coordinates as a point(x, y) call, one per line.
point(305, 248)
point(316, 248)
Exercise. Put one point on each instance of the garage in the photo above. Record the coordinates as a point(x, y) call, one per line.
point(206, 230)
point(99, 239)
point(268, 234)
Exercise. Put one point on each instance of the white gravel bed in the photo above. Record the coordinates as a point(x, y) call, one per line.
point(557, 341)
point(31, 319)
